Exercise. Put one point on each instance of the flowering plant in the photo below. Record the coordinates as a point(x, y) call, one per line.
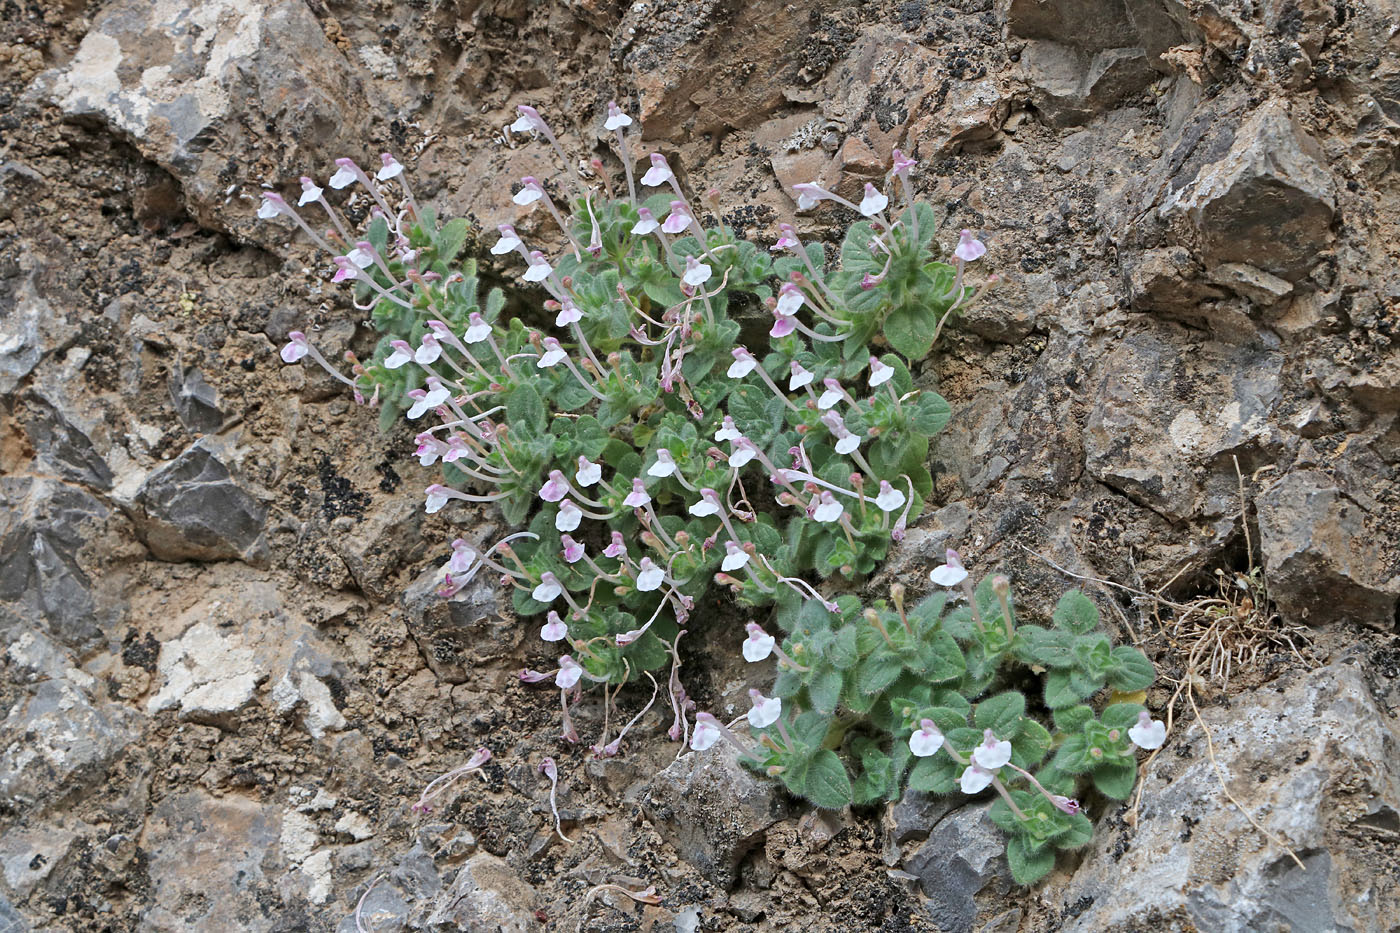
point(652, 447)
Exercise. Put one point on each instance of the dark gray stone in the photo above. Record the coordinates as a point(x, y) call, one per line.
point(1069, 85)
point(45, 574)
point(914, 815)
point(61, 445)
point(11, 920)
point(713, 810)
point(1267, 202)
point(1322, 554)
point(195, 401)
point(961, 859)
point(194, 508)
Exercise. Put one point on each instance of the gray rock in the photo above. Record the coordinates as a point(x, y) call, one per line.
point(1268, 202)
point(194, 508)
point(487, 895)
point(1168, 281)
point(383, 910)
point(206, 863)
point(914, 816)
point(46, 568)
point(59, 742)
point(61, 445)
point(713, 810)
point(962, 858)
point(11, 920)
point(201, 87)
point(1261, 288)
point(456, 636)
point(30, 326)
point(1170, 412)
point(1310, 758)
point(195, 401)
point(377, 546)
point(1069, 85)
point(1322, 554)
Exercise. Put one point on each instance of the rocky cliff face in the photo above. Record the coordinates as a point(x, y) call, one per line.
point(224, 683)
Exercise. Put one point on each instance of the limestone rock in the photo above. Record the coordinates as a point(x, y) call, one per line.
point(47, 561)
point(457, 635)
point(59, 741)
point(195, 401)
point(1322, 554)
point(208, 676)
point(217, 92)
point(1268, 202)
point(32, 327)
point(1310, 759)
point(62, 443)
point(1070, 85)
point(206, 862)
point(1165, 421)
point(195, 508)
point(713, 810)
point(961, 859)
point(487, 895)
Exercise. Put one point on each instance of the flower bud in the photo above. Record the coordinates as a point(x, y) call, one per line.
point(1001, 585)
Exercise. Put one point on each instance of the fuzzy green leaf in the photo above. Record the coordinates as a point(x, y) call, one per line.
point(1115, 780)
point(943, 660)
point(1076, 613)
point(827, 784)
point(1077, 834)
point(937, 774)
point(910, 329)
point(1001, 713)
point(1028, 861)
point(1130, 670)
point(843, 653)
point(825, 691)
point(878, 671)
point(1072, 719)
point(930, 413)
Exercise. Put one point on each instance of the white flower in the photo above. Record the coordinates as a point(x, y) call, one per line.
point(847, 443)
point(874, 202)
point(270, 206)
point(665, 465)
point(436, 498)
point(391, 169)
point(708, 504)
point(530, 191)
point(727, 431)
point(508, 241)
point(548, 589)
point(569, 313)
point(880, 373)
point(969, 248)
point(477, 328)
point(992, 753)
point(529, 120)
point(951, 573)
point(889, 499)
point(828, 509)
point(926, 740)
point(659, 173)
point(296, 347)
point(790, 299)
point(808, 194)
point(344, 174)
point(650, 577)
point(829, 398)
point(735, 557)
point(554, 628)
point(765, 710)
point(646, 224)
point(1149, 733)
point(744, 451)
point(706, 732)
point(638, 497)
point(696, 273)
point(744, 363)
point(759, 645)
point(568, 517)
point(616, 118)
point(975, 780)
point(569, 673)
point(800, 377)
point(428, 351)
point(553, 354)
point(588, 473)
point(362, 255)
point(539, 268)
point(309, 192)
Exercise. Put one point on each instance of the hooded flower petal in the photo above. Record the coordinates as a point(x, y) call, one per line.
point(969, 248)
point(554, 628)
point(569, 673)
point(975, 780)
point(759, 645)
point(735, 557)
point(649, 576)
point(889, 499)
point(589, 473)
point(926, 740)
point(568, 517)
point(659, 173)
point(1149, 733)
point(765, 710)
point(706, 732)
point(993, 753)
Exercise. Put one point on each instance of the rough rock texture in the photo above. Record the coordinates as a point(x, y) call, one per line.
point(1307, 757)
point(225, 678)
point(713, 809)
